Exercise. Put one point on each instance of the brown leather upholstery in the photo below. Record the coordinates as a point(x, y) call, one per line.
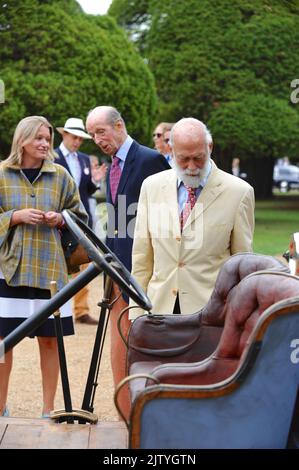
point(191, 338)
point(156, 340)
point(233, 271)
point(245, 395)
point(246, 302)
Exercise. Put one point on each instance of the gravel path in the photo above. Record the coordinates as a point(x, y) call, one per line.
point(25, 394)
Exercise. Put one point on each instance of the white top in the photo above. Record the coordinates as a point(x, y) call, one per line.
point(72, 160)
point(123, 151)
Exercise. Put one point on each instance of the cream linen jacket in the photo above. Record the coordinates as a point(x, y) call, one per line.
point(167, 262)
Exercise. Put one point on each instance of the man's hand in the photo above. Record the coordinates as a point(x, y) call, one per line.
point(98, 173)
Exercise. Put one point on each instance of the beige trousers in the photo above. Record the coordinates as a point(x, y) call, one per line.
point(80, 302)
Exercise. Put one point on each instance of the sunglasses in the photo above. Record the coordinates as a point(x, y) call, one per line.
point(157, 134)
point(166, 141)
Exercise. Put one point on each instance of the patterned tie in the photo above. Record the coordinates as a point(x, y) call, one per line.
point(188, 206)
point(115, 174)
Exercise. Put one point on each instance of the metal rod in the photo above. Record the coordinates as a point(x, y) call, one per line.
point(62, 359)
point(91, 383)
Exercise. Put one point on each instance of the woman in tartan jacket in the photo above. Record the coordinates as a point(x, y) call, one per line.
point(33, 193)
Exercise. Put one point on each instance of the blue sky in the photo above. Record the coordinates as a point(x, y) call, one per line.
point(95, 7)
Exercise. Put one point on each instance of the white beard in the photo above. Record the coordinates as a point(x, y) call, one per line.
point(191, 178)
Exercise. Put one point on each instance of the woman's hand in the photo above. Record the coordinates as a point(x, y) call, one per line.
point(53, 219)
point(27, 216)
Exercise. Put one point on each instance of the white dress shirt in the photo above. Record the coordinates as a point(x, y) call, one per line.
point(72, 160)
point(123, 151)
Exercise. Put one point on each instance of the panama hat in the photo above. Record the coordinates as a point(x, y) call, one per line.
point(74, 126)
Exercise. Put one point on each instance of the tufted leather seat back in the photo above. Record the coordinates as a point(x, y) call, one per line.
point(191, 338)
point(245, 304)
point(232, 272)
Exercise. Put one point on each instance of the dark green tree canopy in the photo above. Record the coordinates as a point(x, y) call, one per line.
point(59, 62)
point(205, 52)
point(134, 16)
point(219, 60)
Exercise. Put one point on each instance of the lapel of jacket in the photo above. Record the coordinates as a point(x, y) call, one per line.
point(81, 162)
point(83, 167)
point(127, 170)
point(108, 192)
point(62, 160)
point(210, 192)
point(170, 200)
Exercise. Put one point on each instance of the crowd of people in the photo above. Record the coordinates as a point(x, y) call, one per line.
point(191, 216)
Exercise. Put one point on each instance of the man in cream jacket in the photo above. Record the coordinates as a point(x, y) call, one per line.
point(190, 219)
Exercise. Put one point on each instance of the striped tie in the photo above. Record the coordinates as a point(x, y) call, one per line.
point(115, 174)
point(188, 206)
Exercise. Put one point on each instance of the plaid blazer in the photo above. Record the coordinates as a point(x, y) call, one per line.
point(31, 255)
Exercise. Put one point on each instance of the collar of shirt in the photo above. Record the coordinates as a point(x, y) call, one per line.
point(65, 151)
point(183, 193)
point(123, 151)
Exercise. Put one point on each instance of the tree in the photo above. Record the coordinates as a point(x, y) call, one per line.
point(134, 17)
point(214, 56)
point(257, 129)
point(59, 62)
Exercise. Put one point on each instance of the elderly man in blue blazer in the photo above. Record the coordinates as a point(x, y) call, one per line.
point(131, 164)
point(78, 165)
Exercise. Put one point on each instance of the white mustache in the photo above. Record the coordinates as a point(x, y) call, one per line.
point(192, 172)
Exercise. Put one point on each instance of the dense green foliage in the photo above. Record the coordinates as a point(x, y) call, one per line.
point(228, 63)
point(59, 62)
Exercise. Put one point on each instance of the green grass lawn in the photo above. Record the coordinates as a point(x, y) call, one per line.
point(275, 221)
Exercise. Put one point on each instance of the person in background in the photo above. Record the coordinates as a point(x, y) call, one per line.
point(33, 193)
point(92, 203)
point(160, 138)
point(88, 181)
point(167, 147)
point(97, 204)
point(190, 219)
point(236, 166)
point(131, 164)
point(236, 169)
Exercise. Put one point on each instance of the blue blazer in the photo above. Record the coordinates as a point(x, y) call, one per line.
point(86, 187)
point(140, 163)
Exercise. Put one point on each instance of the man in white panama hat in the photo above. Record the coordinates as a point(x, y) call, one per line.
point(88, 181)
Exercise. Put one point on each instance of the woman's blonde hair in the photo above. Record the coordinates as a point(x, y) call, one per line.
point(25, 132)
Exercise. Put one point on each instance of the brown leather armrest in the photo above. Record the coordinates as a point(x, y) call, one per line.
point(207, 372)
